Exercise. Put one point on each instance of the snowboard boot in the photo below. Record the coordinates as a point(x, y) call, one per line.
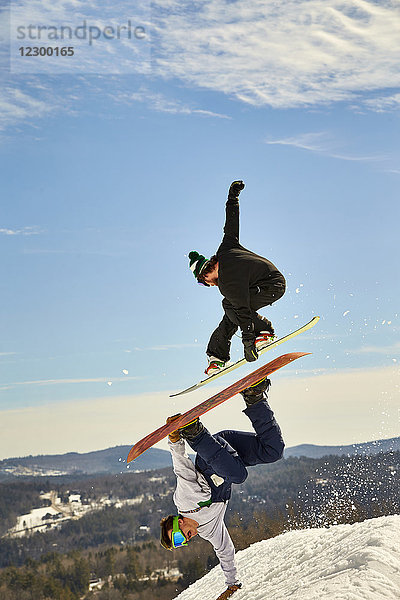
point(215, 365)
point(256, 392)
point(191, 430)
point(264, 339)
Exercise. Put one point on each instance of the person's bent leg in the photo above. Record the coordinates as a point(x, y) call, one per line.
point(266, 444)
point(265, 295)
point(267, 430)
point(220, 340)
point(221, 457)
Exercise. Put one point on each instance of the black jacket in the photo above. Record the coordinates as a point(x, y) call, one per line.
point(239, 270)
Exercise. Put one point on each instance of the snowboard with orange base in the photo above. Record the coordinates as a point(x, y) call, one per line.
point(192, 414)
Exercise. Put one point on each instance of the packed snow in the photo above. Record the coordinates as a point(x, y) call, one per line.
point(344, 562)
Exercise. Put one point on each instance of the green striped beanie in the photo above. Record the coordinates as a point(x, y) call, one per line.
point(197, 262)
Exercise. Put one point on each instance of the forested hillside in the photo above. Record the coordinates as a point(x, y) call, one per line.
point(121, 542)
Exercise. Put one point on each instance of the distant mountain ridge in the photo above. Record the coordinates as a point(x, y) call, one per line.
point(314, 451)
point(112, 460)
point(109, 460)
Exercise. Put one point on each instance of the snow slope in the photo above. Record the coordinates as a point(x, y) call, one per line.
point(344, 562)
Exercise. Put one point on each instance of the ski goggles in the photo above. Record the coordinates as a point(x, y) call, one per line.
point(177, 538)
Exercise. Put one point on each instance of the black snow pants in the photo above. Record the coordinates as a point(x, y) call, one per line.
point(265, 295)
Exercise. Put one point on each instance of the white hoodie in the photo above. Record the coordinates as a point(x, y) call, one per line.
point(192, 488)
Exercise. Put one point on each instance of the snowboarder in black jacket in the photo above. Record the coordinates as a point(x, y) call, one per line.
point(247, 281)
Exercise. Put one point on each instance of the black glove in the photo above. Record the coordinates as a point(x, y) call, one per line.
point(249, 343)
point(236, 188)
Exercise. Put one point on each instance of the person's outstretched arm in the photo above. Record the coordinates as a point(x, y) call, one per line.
point(231, 229)
point(217, 534)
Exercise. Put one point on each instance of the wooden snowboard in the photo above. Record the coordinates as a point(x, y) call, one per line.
point(162, 432)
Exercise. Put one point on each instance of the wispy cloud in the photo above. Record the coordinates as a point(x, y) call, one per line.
point(160, 103)
point(162, 347)
point(29, 230)
point(17, 105)
point(316, 142)
point(174, 346)
point(392, 349)
point(322, 143)
point(45, 382)
point(72, 251)
point(383, 103)
point(287, 54)
point(7, 353)
point(295, 53)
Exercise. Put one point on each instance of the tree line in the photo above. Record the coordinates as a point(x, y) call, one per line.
point(290, 494)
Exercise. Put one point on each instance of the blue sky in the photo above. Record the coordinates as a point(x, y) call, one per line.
point(110, 178)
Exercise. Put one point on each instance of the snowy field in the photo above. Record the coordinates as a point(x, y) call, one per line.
point(344, 562)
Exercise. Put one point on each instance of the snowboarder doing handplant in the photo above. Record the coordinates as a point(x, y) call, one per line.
point(247, 281)
point(203, 488)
